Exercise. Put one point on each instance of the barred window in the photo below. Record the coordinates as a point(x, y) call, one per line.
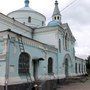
point(50, 65)
point(23, 65)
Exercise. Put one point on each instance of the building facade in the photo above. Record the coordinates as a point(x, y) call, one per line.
point(32, 53)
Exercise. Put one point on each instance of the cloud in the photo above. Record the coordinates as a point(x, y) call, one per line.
point(78, 18)
point(79, 13)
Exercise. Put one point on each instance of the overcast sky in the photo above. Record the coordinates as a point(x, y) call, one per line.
point(77, 16)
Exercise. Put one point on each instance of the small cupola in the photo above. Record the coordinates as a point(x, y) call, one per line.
point(26, 3)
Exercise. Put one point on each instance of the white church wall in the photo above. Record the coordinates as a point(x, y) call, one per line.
point(43, 67)
point(49, 38)
point(52, 38)
point(61, 66)
point(35, 51)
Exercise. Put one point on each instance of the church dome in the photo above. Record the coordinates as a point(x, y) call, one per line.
point(54, 23)
point(28, 16)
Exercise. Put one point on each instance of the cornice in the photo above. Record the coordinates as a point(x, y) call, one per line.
point(45, 29)
point(31, 42)
point(77, 58)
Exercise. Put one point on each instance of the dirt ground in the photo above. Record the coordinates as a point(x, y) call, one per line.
point(76, 86)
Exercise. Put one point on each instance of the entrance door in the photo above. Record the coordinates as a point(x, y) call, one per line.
point(35, 69)
point(66, 67)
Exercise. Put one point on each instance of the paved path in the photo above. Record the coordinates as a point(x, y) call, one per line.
point(76, 86)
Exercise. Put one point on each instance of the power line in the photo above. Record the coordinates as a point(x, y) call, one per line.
point(69, 5)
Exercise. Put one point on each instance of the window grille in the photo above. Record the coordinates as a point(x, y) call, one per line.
point(23, 65)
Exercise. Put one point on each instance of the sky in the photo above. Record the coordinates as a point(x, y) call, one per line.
point(77, 15)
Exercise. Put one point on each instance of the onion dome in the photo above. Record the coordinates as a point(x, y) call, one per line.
point(54, 23)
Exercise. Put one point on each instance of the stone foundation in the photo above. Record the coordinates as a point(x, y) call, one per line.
point(41, 85)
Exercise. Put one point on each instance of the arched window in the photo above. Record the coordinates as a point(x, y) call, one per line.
point(59, 45)
point(66, 67)
point(58, 17)
point(50, 65)
point(66, 41)
point(79, 68)
point(42, 23)
point(55, 18)
point(84, 68)
point(29, 19)
point(73, 52)
point(23, 64)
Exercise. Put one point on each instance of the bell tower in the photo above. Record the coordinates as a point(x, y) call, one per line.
point(56, 14)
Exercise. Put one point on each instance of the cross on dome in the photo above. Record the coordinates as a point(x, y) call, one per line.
point(26, 3)
point(56, 2)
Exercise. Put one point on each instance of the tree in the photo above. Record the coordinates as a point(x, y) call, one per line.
point(88, 64)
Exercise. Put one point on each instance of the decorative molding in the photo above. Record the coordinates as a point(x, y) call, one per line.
point(34, 43)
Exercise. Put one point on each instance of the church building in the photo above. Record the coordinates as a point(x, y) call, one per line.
point(33, 54)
